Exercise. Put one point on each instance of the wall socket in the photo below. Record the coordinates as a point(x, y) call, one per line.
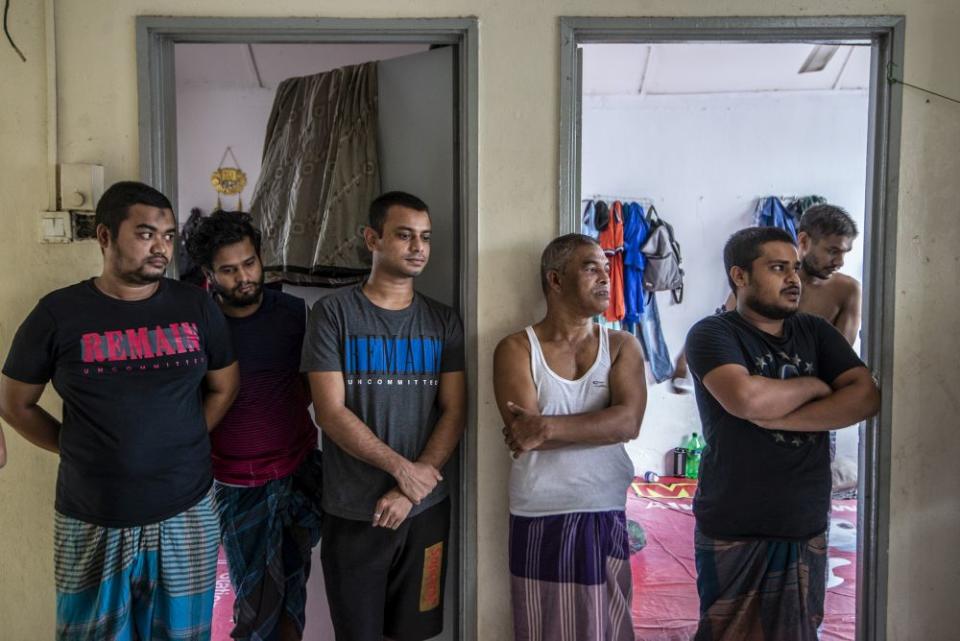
point(66, 226)
point(82, 225)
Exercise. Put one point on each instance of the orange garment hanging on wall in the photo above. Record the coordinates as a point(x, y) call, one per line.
point(611, 241)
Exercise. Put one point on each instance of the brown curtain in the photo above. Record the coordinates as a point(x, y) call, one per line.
point(320, 172)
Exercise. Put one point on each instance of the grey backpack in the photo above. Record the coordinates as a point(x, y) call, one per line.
point(662, 252)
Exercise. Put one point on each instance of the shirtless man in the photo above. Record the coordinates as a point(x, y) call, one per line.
point(825, 235)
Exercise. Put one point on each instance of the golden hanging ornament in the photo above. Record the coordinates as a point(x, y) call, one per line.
point(229, 180)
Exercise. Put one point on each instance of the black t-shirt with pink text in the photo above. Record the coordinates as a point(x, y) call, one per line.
point(134, 448)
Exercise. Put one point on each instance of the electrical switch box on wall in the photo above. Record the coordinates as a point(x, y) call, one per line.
point(79, 186)
point(55, 227)
point(66, 226)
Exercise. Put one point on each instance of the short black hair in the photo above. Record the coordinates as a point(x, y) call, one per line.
point(219, 229)
point(557, 254)
point(744, 247)
point(114, 205)
point(382, 203)
point(827, 220)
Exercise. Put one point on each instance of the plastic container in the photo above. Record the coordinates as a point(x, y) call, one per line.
point(695, 445)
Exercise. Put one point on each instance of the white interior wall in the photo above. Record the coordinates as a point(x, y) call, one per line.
point(208, 120)
point(704, 160)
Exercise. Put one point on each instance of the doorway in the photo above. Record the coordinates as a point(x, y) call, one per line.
point(207, 84)
point(689, 116)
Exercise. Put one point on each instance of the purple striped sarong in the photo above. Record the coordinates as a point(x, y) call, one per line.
point(570, 577)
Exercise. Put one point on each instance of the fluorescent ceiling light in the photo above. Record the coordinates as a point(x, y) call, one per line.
point(819, 58)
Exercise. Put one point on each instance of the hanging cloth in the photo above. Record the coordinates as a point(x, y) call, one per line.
point(771, 212)
point(611, 241)
point(601, 215)
point(587, 225)
point(634, 236)
point(800, 205)
point(320, 172)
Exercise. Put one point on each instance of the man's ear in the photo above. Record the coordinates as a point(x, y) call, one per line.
point(740, 276)
point(103, 236)
point(554, 280)
point(804, 242)
point(370, 238)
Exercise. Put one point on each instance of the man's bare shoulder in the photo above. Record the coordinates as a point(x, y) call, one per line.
point(844, 289)
point(514, 344)
point(620, 339)
point(845, 282)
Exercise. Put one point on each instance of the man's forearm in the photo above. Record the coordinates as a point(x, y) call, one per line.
point(767, 398)
point(215, 406)
point(444, 439)
point(356, 439)
point(37, 426)
point(615, 424)
point(845, 407)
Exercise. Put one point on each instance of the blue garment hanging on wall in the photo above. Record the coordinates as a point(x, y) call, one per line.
point(772, 213)
point(634, 235)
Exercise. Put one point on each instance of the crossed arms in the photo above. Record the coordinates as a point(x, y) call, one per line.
point(525, 429)
point(804, 403)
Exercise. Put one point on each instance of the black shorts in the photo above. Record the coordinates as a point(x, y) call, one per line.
point(383, 582)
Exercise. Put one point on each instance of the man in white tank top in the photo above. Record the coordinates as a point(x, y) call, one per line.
point(570, 393)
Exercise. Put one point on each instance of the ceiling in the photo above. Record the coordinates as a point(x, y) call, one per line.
point(703, 68)
point(608, 69)
point(244, 66)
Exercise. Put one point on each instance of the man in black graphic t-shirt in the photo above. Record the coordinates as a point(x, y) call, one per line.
point(145, 368)
point(770, 385)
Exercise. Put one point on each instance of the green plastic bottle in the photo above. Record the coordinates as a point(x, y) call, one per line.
point(694, 445)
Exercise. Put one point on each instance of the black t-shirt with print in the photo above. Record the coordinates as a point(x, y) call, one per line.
point(134, 447)
point(756, 482)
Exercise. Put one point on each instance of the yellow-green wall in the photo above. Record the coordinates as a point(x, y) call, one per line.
point(519, 113)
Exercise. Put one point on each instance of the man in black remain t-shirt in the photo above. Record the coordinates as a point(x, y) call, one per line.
point(145, 368)
point(770, 385)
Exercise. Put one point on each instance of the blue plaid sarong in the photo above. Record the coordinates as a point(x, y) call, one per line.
point(149, 583)
point(269, 532)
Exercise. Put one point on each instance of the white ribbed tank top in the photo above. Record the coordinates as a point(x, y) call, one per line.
point(575, 478)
